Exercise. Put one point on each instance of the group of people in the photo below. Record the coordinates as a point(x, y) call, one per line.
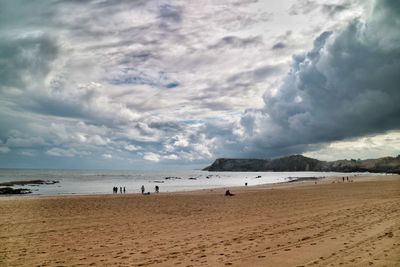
point(156, 190)
point(121, 190)
point(347, 178)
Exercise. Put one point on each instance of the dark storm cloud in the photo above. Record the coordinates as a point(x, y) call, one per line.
point(25, 59)
point(346, 86)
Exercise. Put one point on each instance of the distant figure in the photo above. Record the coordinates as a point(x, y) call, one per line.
point(124, 190)
point(157, 189)
point(120, 190)
point(343, 179)
point(228, 193)
point(142, 189)
point(245, 184)
point(347, 178)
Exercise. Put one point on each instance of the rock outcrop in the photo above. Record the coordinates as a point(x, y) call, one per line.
point(301, 163)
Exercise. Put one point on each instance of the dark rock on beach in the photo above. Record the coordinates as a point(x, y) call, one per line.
point(6, 187)
point(28, 182)
point(12, 191)
point(172, 178)
point(302, 179)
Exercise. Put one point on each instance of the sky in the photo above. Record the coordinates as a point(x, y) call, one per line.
point(154, 84)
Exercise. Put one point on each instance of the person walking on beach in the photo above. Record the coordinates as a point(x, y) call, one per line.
point(142, 189)
point(343, 178)
point(124, 190)
point(157, 189)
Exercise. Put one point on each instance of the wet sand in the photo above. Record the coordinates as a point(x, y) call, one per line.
point(297, 224)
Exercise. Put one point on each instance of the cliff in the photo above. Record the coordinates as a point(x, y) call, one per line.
point(301, 163)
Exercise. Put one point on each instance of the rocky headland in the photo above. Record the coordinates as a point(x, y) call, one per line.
point(302, 163)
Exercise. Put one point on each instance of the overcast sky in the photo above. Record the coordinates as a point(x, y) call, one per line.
point(143, 84)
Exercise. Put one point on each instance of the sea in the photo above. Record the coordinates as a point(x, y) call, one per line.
point(82, 182)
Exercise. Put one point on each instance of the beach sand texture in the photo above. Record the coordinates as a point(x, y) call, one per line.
point(301, 224)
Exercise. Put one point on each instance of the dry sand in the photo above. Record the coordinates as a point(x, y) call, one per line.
point(303, 224)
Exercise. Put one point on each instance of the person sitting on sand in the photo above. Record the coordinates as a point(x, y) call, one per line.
point(228, 193)
point(142, 189)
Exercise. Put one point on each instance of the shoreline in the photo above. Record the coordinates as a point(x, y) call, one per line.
point(70, 185)
point(301, 181)
point(292, 224)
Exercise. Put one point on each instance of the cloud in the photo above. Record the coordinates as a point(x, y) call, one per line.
point(171, 157)
point(131, 147)
point(4, 149)
point(26, 153)
point(25, 59)
point(278, 45)
point(334, 9)
point(60, 152)
point(170, 15)
point(234, 42)
point(24, 141)
point(107, 156)
point(381, 145)
point(346, 86)
point(303, 7)
point(174, 82)
point(150, 156)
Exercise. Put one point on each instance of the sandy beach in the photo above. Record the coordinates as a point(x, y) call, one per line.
point(297, 224)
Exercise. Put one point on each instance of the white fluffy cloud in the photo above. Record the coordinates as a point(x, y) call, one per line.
point(150, 156)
